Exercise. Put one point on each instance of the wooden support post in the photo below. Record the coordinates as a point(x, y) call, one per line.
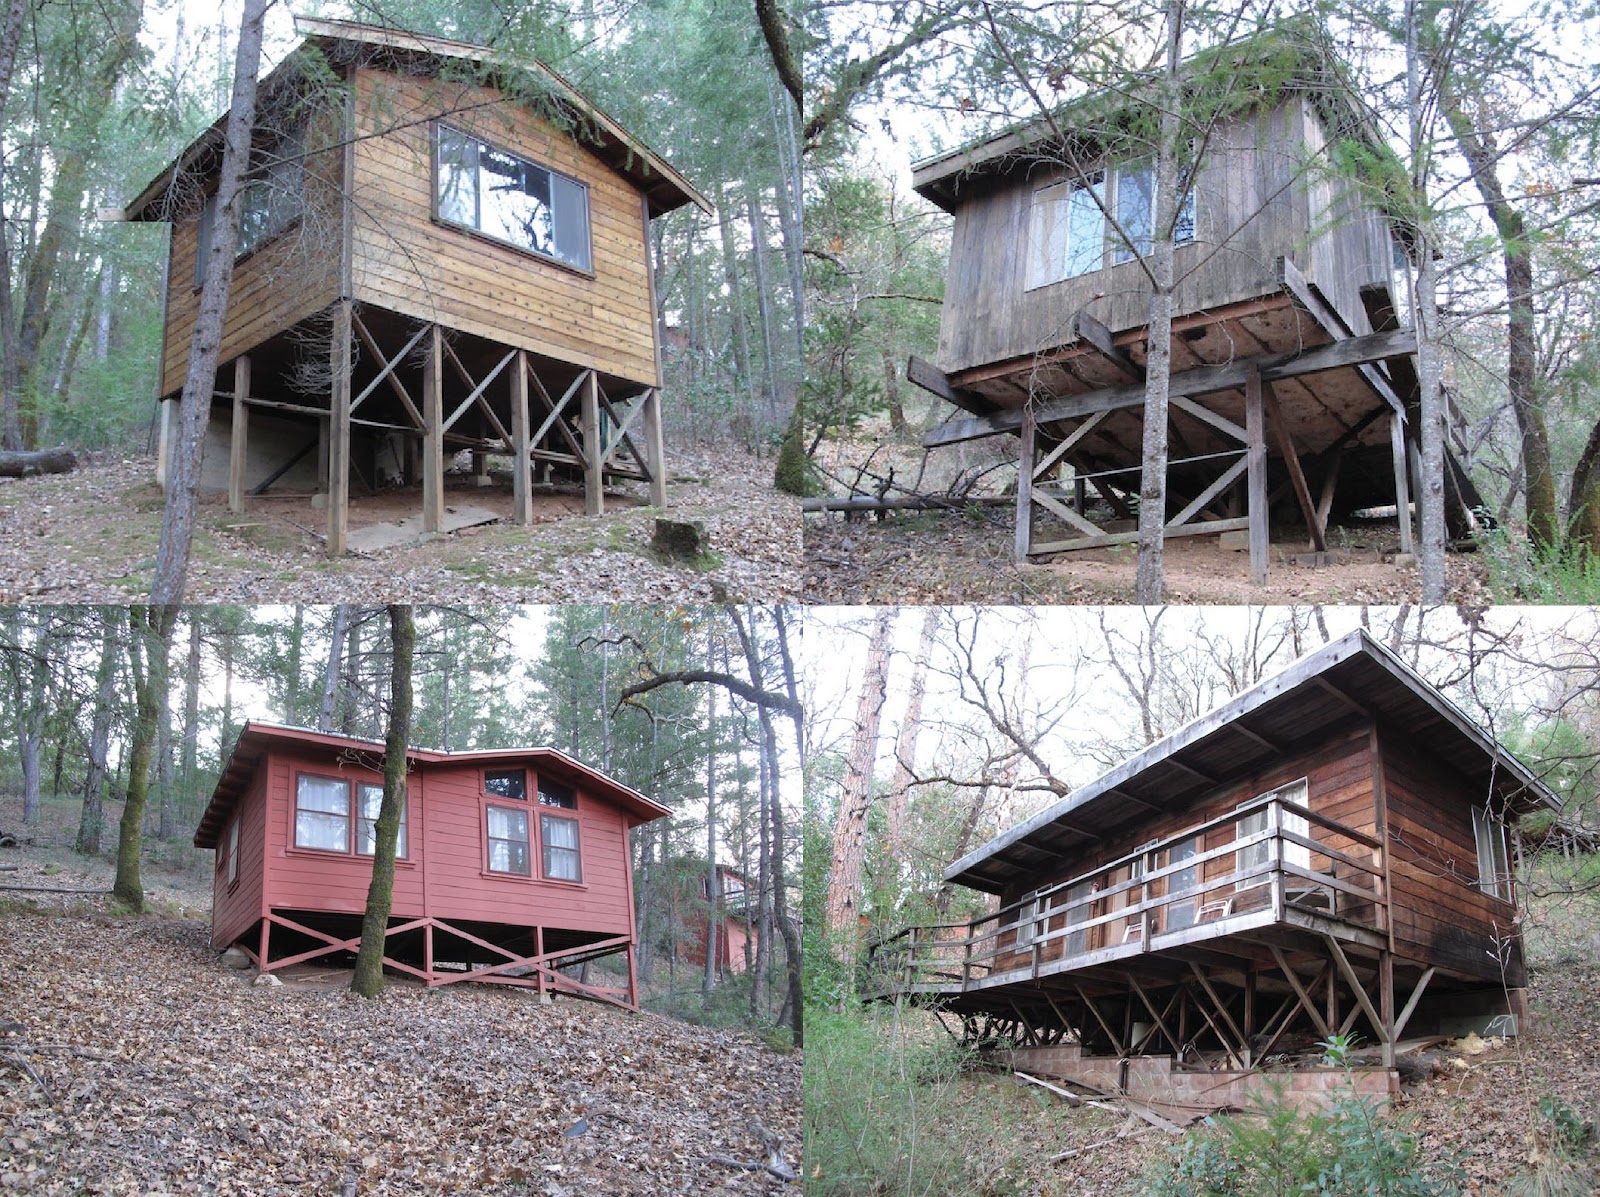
point(1411, 1002)
point(1249, 1013)
point(433, 432)
point(427, 950)
point(1080, 495)
point(1024, 531)
point(1291, 461)
point(1386, 1004)
point(339, 432)
point(1379, 1026)
point(238, 446)
point(1255, 424)
point(655, 445)
point(1310, 1007)
point(594, 501)
point(266, 939)
point(1330, 480)
point(1402, 491)
point(521, 482)
point(633, 979)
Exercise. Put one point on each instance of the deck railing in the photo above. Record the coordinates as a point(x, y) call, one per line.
point(1159, 896)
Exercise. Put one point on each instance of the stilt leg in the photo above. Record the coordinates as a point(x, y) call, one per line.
point(593, 451)
point(433, 433)
point(1024, 538)
point(1255, 424)
point(655, 447)
point(339, 433)
point(238, 448)
point(521, 484)
point(1402, 490)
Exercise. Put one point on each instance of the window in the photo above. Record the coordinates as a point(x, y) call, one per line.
point(553, 793)
point(1494, 874)
point(233, 850)
point(500, 195)
point(1256, 821)
point(1067, 230)
point(560, 838)
point(1027, 920)
point(272, 199)
point(508, 840)
point(506, 783)
point(322, 813)
point(1181, 914)
point(1077, 941)
point(367, 822)
point(1135, 208)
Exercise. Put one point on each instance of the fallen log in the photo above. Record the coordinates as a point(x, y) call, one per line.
point(23, 462)
point(905, 503)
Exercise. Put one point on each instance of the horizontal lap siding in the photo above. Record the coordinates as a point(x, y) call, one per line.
point(302, 880)
point(459, 889)
point(1440, 917)
point(291, 277)
point(235, 909)
point(1339, 785)
point(409, 263)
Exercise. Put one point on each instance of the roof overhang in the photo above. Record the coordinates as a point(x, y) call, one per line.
point(1349, 683)
point(351, 41)
point(257, 738)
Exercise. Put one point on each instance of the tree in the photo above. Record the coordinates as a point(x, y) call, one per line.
point(177, 524)
point(149, 642)
point(94, 782)
point(368, 977)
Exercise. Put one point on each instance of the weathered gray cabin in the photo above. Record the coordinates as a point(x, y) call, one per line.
point(1326, 853)
point(1293, 381)
point(443, 250)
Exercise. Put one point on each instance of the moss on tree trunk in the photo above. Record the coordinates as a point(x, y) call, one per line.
point(368, 978)
point(150, 634)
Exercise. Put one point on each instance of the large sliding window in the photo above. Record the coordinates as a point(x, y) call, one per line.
point(1068, 234)
point(272, 197)
point(501, 195)
point(1494, 870)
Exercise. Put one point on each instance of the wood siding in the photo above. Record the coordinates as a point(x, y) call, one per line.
point(1260, 195)
point(445, 875)
point(1440, 916)
point(236, 908)
point(287, 279)
point(407, 262)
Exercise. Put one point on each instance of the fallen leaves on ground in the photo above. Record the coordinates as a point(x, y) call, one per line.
point(91, 536)
point(167, 1072)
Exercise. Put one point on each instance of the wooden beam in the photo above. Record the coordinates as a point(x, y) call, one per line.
point(934, 380)
point(1309, 297)
point(1211, 492)
point(1116, 1041)
point(1092, 332)
point(594, 501)
point(475, 396)
point(1386, 1004)
point(1023, 539)
point(555, 408)
point(1330, 480)
point(1300, 992)
point(1071, 441)
point(433, 433)
point(1256, 485)
point(1110, 538)
point(1222, 1010)
point(339, 432)
point(1402, 489)
point(1201, 380)
point(1411, 1002)
point(521, 464)
point(1161, 1023)
point(239, 434)
point(262, 487)
point(656, 446)
point(1206, 416)
point(1351, 979)
point(1291, 460)
point(388, 367)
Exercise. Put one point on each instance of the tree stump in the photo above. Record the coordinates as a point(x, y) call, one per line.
point(22, 463)
point(680, 540)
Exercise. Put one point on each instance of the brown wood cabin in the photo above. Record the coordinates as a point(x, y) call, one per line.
point(443, 250)
point(736, 932)
point(1325, 853)
point(1293, 378)
point(513, 864)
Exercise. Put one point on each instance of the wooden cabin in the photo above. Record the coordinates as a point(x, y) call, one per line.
point(444, 252)
point(1293, 381)
point(736, 930)
point(513, 865)
point(1329, 852)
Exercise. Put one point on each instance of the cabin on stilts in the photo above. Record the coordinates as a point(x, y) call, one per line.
point(1325, 854)
point(444, 251)
point(1294, 387)
point(513, 865)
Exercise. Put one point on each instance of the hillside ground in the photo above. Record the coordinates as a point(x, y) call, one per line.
point(91, 536)
point(965, 555)
point(133, 1061)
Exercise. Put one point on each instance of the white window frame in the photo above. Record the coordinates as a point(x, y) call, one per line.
point(364, 825)
point(1183, 231)
point(490, 839)
point(1027, 923)
point(548, 850)
point(1190, 906)
point(1297, 792)
point(233, 850)
point(1494, 868)
point(1052, 256)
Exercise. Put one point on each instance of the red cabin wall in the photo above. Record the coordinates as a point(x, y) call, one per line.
point(236, 908)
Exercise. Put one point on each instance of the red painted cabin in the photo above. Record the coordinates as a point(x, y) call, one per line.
point(735, 928)
point(513, 864)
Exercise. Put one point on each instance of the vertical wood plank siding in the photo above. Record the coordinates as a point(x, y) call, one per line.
point(235, 908)
point(407, 262)
point(1261, 193)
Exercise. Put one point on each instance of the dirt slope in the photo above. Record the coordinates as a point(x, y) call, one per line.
point(168, 1073)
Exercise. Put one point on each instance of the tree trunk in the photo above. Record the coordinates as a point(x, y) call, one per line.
point(190, 765)
point(177, 525)
point(1431, 404)
point(758, 259)
point(166, 820)
point(291, 689)
point(30, 716)
point(330, 674)
point(368, 977)
point(10, 373)
point(905, 749)
point(855, 800)
point(713, 889)
point(149, 639)
point(94, 782)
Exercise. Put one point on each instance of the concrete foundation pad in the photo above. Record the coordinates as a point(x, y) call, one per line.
point(397, 533)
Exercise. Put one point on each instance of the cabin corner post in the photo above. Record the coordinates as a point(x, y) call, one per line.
point(655, 446)
point(1256, 474)
point(339, 432)
point(593, 450)
point(521, 480)
point(433, 432)
point(239, 433)
point(1029, 440)
point(633, 976)
point(1402, 490)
